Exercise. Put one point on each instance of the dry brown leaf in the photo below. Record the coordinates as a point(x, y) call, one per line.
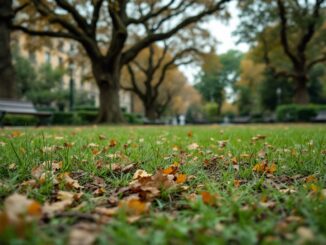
point(83, 234)
point(20, 209)
point(141, 174)
point(193, 146)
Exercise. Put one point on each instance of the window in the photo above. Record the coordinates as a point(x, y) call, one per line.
point(47, 57)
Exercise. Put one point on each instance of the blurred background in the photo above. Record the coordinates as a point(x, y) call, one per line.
point(164, 62)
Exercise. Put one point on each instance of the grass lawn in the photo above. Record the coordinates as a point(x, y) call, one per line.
point(199, 185)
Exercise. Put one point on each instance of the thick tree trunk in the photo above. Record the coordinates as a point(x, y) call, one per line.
point(108, 84)
point(150, 112)
point(7, 73)
point(301, 94)
point(110, 111)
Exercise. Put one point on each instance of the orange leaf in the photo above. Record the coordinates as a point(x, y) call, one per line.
point(181, 178)
point(134, 206)
point(208, 198)
point(190, 134)
point(170, 170)
point(311, 179)
point(16, 134)
point(236, 183)
point(260, 167)
point(272, 168)
point(34, 209)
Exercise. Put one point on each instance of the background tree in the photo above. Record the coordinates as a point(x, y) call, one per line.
point(7, 74)
point(107, 29)
point(149, 72)
point(299, 26)
point(219, 72)
point(41, 85)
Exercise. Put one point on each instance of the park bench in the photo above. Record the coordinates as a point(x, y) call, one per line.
point(243, 119)
point(21, 108)
point(321, 117)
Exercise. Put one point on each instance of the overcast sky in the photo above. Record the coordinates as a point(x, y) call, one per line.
point(222, 31)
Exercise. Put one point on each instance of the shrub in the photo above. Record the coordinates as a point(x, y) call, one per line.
point(65, 118)
point(20, 120)
point(86, 108)
point(133, 118)
point(298, 113)
point(87, 117)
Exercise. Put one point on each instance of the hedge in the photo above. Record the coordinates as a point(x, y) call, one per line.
point(65, 118)
point(87, 117)
point(20, 120)
point(298, 113)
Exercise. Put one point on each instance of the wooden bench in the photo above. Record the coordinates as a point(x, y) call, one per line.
point(321, 117)
point(21, 108)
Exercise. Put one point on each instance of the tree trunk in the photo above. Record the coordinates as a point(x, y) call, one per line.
point(150, 112)
point(7, 72)
point(110, 111)
point(301, 94)
point(108, 84)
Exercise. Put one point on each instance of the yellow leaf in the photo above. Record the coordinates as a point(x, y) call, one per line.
point(181, 178)
point(311, 179)
point(135, 206)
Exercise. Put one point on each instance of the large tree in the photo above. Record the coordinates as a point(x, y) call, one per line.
point(301, 37)
point(113, 32)
point(7, 73)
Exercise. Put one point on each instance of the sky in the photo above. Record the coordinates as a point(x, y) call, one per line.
point(222, 31)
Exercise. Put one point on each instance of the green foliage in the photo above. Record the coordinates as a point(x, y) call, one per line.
point(298, 113)
point(40, 85)
point(87, 117)
point(215, 80)
point(86, 108)
point(65, 118)
point(20, 120)
point(133, 118)
point(245, 101)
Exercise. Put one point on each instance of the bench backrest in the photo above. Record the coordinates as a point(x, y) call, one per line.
point(13, 106)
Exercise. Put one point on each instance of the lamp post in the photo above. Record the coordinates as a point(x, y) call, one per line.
point(71, 86)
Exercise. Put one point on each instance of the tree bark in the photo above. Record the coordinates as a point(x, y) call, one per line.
point(108, 84)
point(301, 94)
point(7, 72)
point(150, 112)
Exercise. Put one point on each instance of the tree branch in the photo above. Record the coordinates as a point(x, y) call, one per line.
point(283, 33)
point(132, 52)
point(45, 33)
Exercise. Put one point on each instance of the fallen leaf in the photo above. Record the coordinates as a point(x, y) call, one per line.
point(311, 179)
point(83, 234)
point(190, 134)
point(135, 206)
point(181, 178)
point(208, 198)
point(193, 146)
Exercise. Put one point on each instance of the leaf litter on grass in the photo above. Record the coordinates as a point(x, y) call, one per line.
point(137, 198)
